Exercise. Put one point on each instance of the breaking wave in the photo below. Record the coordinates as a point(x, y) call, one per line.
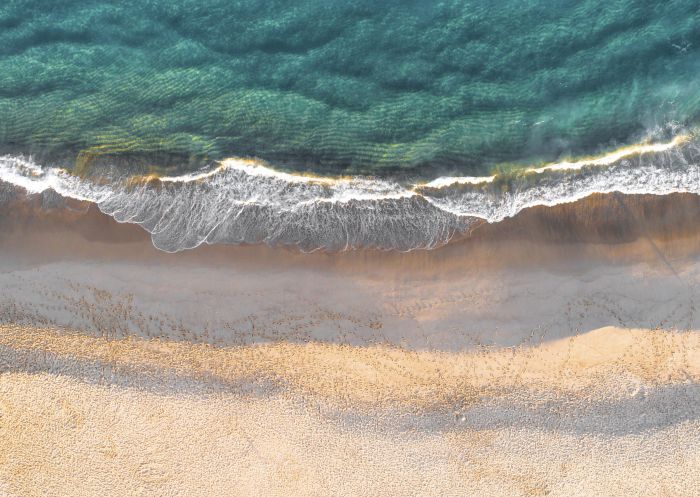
point(244, 201)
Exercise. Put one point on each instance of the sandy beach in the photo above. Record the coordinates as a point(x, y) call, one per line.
point(498, 365)
point(613, 412)
point(349, 249)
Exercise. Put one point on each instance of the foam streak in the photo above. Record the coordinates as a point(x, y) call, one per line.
point(243, 201)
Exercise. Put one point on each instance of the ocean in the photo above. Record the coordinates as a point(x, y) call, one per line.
point(340, 125)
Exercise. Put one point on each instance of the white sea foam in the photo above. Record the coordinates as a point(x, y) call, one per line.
point(444, 181)
point(243, 201)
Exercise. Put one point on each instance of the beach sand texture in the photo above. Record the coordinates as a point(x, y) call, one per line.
point(611, 412)
point(472, 370)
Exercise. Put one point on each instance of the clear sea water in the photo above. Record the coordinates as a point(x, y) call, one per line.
point(388, 95)
point(334, 86)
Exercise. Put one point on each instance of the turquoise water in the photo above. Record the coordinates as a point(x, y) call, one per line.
point(354, 87)
point(408, 106)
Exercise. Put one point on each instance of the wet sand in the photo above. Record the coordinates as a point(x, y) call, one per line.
point(542, 356)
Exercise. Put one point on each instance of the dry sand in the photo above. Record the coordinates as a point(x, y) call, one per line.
point(612, 412)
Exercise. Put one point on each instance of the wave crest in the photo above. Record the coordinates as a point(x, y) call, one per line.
point(243, 201)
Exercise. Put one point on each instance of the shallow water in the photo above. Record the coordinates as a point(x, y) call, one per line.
point(455, 87)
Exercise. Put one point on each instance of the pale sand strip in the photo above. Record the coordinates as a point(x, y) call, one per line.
point(63, 435)
point(375, 375)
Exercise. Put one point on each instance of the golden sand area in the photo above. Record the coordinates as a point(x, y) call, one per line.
point(376, 375)
point(82, 415)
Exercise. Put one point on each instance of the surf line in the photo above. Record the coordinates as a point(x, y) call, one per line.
point(33, 174)
point(603, 160)
point(615, 156)
point(254, 167)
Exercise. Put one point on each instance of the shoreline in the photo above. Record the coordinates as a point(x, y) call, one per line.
point(634, 263)
point(242, 202)
point(604, 227)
